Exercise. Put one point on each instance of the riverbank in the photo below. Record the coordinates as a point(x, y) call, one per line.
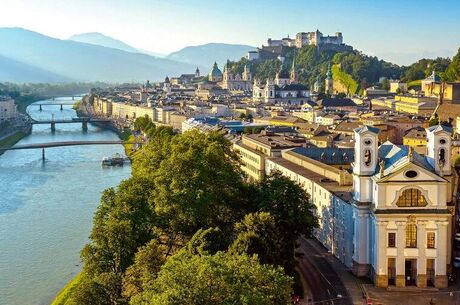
point(17, 132)
point(84, 109)
point(44, 255)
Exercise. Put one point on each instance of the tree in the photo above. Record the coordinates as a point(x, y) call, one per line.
point(147, 264)
point(198, 183)
point(217, 280)
point(208, 242)
point(123, 223)
point(453, 70)
point(291, 209)
point(258, 234)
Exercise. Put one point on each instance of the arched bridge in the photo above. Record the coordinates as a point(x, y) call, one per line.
point(83, 121)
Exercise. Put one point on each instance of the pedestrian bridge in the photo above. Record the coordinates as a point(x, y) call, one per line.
point(42, 146)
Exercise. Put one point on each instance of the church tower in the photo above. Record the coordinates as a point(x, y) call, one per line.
point(438, 149)
point(293, 76)
point(365, 163)
point(317, 85)
point(197, 72)
point(329, 83)
point(247, 73)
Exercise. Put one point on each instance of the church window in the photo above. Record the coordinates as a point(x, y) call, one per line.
point(430, 240)
point(391, 240)
point(411, 174)
point(442, 141)
point(411, 198)
point(411, 235)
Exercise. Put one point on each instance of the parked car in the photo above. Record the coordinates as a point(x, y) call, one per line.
point(456, 262)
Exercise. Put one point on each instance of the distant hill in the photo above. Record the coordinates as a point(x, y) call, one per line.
point(110, 42)
point(84, 62)
point(206, 54)
point(104, 41)
point(17, 72)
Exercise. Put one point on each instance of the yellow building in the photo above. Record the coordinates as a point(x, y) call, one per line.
point(254, 148)
point(418, 105)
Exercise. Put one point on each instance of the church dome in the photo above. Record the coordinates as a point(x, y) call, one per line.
point(215, 72)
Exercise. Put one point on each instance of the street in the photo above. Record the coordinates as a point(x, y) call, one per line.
point(323, 282)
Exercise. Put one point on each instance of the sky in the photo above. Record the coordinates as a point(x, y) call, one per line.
point(400, 31)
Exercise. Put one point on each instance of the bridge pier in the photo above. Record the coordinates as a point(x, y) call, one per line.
point(43, 154)
point(62, 108)
point(53, 127)
point(84, 126)
point(40, 108)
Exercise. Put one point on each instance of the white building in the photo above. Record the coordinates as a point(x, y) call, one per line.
point(8, 109)
point(402, 210)
point(391, 219)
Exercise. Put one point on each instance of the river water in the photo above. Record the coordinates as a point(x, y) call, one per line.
point(46, 208)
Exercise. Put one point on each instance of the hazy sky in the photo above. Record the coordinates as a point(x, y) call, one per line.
point(397, 30)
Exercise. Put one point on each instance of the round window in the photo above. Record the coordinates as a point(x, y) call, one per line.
point(443, 141)
point(411, 174)
point(367, 142)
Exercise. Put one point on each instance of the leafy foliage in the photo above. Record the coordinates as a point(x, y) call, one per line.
point(187, 195)
point(453, 70)
point(217, 279)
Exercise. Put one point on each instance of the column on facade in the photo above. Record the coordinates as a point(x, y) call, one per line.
point(421, 261)
point(400, 259)
point(441, 259)
point(381, 272)
point(361, 243)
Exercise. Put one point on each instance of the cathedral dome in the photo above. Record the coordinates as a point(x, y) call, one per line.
point(215, 72)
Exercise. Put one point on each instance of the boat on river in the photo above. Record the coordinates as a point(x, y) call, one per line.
point(116, 160)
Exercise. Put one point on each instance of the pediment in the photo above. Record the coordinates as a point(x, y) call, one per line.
point(403, 174)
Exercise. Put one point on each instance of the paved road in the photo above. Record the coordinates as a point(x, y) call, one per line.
point(324, 283)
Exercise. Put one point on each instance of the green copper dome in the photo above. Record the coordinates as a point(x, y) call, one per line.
point(215, 72)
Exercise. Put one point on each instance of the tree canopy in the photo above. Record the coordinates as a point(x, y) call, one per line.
point(187, 195)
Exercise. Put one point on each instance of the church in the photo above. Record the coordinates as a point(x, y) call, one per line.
point(385, 211)
point(284, 90)
point(235, 81)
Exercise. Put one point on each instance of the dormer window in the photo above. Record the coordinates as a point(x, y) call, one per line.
point(411, 198)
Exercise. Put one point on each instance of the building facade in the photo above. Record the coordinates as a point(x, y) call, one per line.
point(7, 109)
point(237, 82)
point(390, 219)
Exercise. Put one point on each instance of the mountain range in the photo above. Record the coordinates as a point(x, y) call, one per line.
point(207, 54)
point(27, 56)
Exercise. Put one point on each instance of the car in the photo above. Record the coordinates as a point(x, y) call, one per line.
point(456, 262)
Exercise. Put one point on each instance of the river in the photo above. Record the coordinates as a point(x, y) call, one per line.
point(46, 208)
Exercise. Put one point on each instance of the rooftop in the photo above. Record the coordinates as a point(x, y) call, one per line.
point(277, 141)
point(344, 192)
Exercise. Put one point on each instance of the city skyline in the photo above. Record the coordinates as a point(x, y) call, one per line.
point(167, 27)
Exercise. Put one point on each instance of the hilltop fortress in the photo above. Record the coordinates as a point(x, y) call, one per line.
point(276, 48)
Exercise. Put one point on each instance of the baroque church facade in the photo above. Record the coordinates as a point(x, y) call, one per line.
point(385, 211)
point(402, 210)
point(284, 90)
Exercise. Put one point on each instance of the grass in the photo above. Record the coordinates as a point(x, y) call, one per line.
point(64, 295)
point(11, 140)
point(345, 79)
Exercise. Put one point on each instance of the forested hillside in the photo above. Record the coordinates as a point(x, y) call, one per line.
point(358, 70)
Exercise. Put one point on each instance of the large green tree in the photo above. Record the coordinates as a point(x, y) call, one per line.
point(218, 279)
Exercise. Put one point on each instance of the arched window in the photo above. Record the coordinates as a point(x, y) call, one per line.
point(411, 198)
point(411, 234)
